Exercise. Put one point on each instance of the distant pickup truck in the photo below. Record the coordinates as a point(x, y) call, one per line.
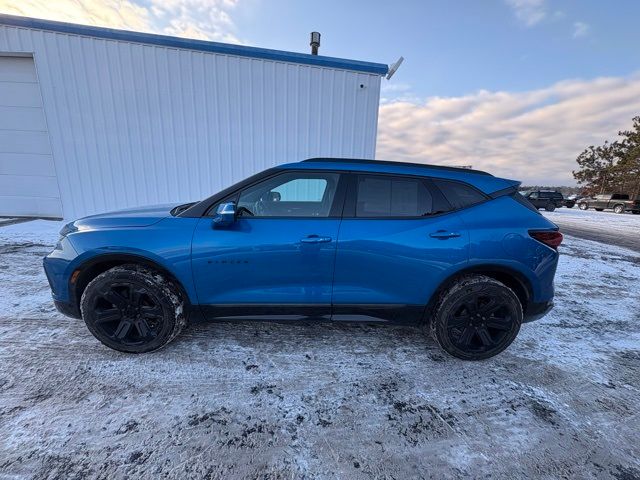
point(618, 202)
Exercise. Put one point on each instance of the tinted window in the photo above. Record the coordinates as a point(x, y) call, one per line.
point(525, 201)
point(620, 196)
point(385, 196)
point(550, 195)
point(294, 194)
point(460, 195)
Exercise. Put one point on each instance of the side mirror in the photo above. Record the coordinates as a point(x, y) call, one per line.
point(225, 215)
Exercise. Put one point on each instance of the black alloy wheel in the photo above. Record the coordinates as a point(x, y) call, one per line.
point(477, 319)
point(133, 309)
point(128, 313)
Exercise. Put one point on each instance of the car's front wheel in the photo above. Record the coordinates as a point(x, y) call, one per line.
point(133, 309)
point(477, 318)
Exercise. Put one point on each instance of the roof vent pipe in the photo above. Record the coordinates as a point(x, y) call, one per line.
point(315, 42)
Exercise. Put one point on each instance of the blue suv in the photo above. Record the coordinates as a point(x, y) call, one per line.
point(457, 250)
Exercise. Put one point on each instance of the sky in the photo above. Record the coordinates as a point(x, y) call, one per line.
point(515, 87)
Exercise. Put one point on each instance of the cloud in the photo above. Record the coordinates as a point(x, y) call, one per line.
point(533, 136)
point(202, 19)
point(580, 29)
point(529, 12)
point(394, 92)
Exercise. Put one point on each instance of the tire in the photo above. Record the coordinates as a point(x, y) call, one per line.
point(459, 326)
point(599, 209)
point(133, 309)
point(583, 206)
point(618, 209)
point(550, 207)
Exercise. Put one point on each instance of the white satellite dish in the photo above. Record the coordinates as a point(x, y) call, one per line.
point(393, 67)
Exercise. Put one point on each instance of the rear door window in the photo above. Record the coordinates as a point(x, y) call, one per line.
point(383, 196)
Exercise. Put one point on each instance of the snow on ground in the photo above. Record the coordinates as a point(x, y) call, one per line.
point(323, 400)
point(626, 223)
point(609, 228)
point(22, 246)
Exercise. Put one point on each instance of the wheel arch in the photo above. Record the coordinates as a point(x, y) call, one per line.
point(94, 266)
point(513, 279)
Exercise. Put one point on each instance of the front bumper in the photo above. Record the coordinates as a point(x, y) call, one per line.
point(536, 311)
point(68, 309)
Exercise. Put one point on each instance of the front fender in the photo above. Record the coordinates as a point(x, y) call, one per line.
point(165, 245)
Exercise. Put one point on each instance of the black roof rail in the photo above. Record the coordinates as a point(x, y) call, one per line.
point(389, 162)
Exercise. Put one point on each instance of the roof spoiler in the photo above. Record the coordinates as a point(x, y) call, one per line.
point(511, 189)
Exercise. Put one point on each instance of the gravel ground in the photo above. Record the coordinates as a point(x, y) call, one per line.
point(324, 400)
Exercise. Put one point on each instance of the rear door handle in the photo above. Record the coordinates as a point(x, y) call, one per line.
point(443, 234)
point(315, 239)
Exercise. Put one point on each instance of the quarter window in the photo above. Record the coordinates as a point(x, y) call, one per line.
point(461, 195)
point(383, 196)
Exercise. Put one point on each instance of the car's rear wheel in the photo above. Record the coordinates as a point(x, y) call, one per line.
point(477, 318)
point(550, 207)
point(618, 209)
point(133, 309)
point(583, 206)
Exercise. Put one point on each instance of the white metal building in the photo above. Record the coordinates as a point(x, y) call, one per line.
point(94, 119)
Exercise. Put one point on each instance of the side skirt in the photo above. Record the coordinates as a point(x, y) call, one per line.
point(367, 313)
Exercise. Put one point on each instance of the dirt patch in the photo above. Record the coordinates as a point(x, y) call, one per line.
point(325, 400)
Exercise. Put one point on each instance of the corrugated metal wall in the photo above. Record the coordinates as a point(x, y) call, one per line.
point(133, 124)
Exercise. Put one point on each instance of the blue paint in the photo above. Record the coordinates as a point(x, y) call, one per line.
point(199, 45)
point(327, 263)
point(265, 261)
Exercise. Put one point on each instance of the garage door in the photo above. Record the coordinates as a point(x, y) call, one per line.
point(28, 185)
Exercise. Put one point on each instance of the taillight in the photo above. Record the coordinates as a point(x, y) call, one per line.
point(551, 238)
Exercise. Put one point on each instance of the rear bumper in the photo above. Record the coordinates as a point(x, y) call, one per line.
point(536, 311)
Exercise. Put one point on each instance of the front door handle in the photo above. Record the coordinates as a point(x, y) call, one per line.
point(443, 234)
point(315, 239)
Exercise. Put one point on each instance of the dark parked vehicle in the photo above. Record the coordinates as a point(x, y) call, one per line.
point(572, 200)
point(618, 202)
point(326, 239)
point(547, 199)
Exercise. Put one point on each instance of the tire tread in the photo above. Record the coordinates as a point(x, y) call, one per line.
point(154, 280)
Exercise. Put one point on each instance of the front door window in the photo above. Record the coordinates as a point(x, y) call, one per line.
point(292, 194)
